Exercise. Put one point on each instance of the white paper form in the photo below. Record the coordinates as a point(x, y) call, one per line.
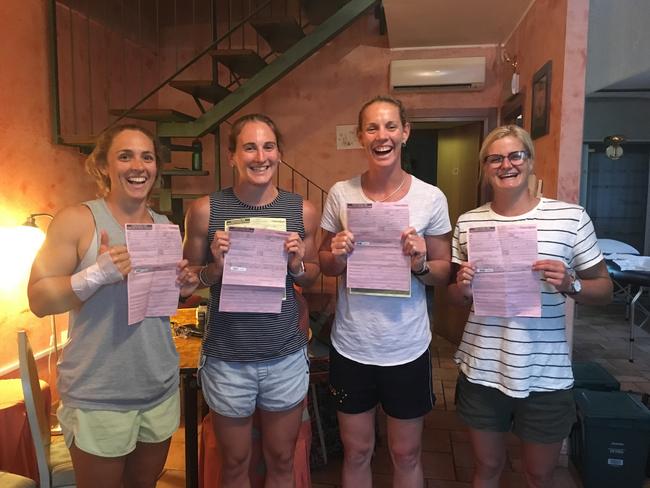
point(155, 250)
point(254, 273)
point(377, 266)
point(504, 284)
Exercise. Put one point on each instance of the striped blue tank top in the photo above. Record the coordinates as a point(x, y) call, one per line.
point(253, 336)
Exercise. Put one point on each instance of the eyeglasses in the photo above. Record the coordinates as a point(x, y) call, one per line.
point(516, 158)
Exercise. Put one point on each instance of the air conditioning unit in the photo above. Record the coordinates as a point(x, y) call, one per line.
point(451, 74)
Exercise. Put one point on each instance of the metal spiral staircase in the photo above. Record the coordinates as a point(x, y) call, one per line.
point(253, 44)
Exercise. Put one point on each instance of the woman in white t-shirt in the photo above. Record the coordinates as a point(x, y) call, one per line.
point(380, 344)
point(515, 369)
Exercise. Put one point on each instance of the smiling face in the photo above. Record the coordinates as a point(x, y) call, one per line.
point(381, 133)
point(507, 176)
point(256, 155)
point(131, 165)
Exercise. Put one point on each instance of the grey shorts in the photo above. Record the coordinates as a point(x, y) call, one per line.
point(541, 418)
point(234, 388)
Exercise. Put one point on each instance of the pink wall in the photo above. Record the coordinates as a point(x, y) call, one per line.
point(327, 90)
point(556, 30)
point(37, 175)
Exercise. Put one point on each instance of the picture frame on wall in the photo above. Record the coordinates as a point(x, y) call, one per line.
point(541, 101)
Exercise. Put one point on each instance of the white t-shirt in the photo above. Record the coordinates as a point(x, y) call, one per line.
point(519, 355)
point(384, 331)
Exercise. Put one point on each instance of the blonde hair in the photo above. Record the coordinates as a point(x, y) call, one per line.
point(97, 160)
point(507, 131)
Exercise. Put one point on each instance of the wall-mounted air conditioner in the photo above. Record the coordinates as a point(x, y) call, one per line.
point(451, 74)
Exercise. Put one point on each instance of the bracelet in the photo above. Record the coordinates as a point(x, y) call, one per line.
point(299, 273)
point(202, 277)
point(423, 271)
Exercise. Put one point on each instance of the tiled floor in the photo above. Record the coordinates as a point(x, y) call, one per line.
point(601, 334)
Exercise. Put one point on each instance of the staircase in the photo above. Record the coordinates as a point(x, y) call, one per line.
point(247, 46)
point(252, 44)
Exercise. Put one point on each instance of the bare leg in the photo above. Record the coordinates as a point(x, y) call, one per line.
point(145, 463)
point(539, 463)
point(96, 471)
point(489, 456)
point(405, 445)
point(234, 438)
point(358, 436)
point(279, 435)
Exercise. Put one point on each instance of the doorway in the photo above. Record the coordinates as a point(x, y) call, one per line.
point(445, 154)
point(617, 194)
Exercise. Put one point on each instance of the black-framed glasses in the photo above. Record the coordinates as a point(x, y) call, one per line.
point(516, 158)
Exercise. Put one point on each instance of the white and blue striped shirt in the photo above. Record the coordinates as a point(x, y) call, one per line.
point(519, 355)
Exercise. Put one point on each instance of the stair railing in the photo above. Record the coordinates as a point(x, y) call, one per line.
point(189, 63)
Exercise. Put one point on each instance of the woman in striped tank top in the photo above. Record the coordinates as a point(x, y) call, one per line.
point(254, 360)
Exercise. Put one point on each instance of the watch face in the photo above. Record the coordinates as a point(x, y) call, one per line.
point(576, 286)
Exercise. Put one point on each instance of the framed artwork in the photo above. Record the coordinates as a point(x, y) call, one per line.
point(541, 105)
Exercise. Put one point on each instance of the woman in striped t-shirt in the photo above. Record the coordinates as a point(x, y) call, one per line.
point(515, 371)
point(254, 359)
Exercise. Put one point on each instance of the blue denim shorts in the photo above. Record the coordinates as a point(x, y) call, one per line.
point(234, 388)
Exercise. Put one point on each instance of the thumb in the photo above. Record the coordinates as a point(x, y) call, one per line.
point(103, 242)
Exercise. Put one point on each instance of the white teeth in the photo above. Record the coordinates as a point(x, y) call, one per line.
point(260, 169)
point(137, 179)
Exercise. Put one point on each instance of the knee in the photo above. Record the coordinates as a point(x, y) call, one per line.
point(489, 466)
point(358, 453)
point(405, 457)
point(538, 477)
point(235, 465)
point(279, 461)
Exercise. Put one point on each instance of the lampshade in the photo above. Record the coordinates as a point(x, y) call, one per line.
point(18, 248)
point(614, 150)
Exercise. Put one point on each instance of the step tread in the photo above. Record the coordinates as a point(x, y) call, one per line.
point(204, 89)
point(244, 62)
point(280, 32)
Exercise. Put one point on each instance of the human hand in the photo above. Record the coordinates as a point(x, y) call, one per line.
point(113, 265)
point(342, 244)
point(114, 262)
point(555, 273)
point(219, 247)
point(186, 278)
point(414, 245)
point(464, 278)
point(295, 247)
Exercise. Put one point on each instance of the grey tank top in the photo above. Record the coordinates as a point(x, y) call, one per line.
point(106, 363)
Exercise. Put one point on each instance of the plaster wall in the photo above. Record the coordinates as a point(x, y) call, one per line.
point(37, 175)
point(555, 30)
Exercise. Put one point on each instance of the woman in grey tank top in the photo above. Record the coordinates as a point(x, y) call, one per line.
point(118, 382)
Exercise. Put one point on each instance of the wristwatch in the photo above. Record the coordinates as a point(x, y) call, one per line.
point(423, 271)
point(576, 285)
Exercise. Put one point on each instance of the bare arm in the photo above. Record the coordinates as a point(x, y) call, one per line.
point(304, 250)
point(53, 286)
point(49, 289)
point(196, 248)
point(333, 252)
point(438, 260)
point(459, 290)
point(596, 284)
